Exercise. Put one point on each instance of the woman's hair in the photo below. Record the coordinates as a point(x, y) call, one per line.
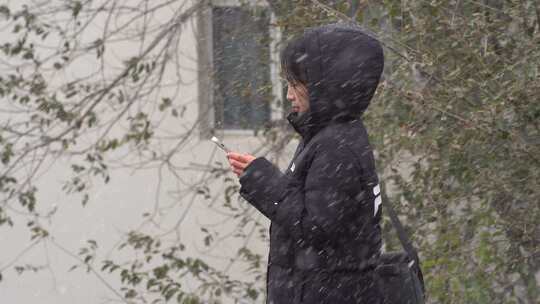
point(293, 61)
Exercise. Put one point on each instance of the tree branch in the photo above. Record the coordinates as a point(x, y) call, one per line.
point(109, 286)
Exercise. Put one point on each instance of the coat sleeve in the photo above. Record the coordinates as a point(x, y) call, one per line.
point(331, 201)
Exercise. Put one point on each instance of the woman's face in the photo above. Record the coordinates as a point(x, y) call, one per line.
point(297, 94)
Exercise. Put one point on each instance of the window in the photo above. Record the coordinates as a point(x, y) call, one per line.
point(238, 68)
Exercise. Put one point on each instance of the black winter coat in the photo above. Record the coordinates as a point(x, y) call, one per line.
point(325, 209)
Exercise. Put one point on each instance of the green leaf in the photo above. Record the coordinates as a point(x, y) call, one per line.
point(76, 9)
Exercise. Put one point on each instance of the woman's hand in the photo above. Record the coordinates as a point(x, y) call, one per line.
point(239, 162)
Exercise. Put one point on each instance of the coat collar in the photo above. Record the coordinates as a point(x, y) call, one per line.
point(307, 127)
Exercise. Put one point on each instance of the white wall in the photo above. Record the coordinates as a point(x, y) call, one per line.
point(117, 207)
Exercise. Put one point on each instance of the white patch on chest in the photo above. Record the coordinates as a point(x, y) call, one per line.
point(292, 167)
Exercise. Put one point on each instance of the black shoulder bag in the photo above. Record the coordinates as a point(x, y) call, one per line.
point(398, 273)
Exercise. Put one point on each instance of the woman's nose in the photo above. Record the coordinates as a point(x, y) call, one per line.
point(290, 95)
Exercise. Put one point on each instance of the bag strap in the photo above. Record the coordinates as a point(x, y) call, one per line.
point(405, 242)
point(402, 235)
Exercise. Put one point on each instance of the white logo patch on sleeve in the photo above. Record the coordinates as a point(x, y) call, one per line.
point(376, 190)
point(292, 167)
point(378, 200)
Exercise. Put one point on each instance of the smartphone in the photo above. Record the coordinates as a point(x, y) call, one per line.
point(220, 144)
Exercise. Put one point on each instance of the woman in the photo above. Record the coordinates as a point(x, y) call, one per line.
point(324, 210)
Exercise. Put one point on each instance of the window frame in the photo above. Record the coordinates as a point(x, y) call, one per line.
point(205, 61)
